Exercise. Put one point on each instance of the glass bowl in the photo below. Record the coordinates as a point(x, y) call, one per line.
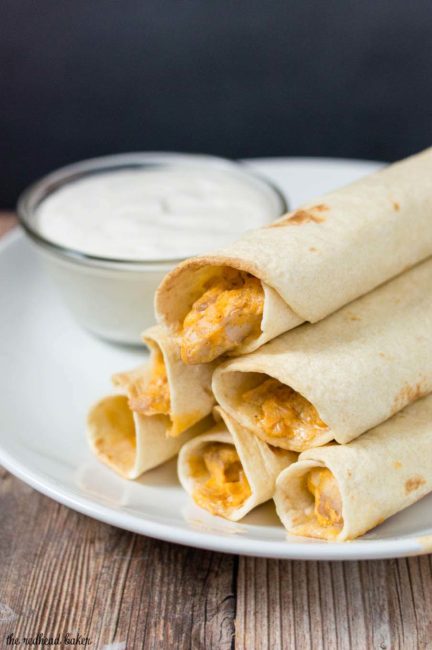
point(113, 298)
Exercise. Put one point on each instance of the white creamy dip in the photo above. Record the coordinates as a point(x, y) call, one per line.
point(154, 214)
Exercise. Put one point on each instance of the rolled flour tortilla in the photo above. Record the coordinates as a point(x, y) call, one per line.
point(229, 471)
point(180, 392)
point(159, 406)
point(308, 264)
point(130, 443)
point(340, 377)
point(339, 492)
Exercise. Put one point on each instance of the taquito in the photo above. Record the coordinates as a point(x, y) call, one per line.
point(173, 389)
point(159, 406)
point(302, 267)
point(229, 471)
point(339, 492)
point(340, 377)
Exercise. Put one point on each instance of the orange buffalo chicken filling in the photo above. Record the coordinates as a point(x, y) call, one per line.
point(328, 503)
point(281, 412)
point(153, 397)
point(229, 311)
point(221, 482)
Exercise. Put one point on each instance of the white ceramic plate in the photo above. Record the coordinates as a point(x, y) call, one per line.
point(51, 371)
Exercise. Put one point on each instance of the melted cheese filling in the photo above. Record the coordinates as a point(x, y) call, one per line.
point(153, 397)
point(229, 311)
point(281, 412)
point(328, 503)
point(221, 482)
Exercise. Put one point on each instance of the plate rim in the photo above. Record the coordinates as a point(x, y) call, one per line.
point(361, 549)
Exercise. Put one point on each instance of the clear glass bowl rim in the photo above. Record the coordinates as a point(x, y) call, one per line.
point(34, 194)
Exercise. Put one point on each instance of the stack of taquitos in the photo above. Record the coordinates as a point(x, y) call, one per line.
point(340, 377)
point(304, 266)
point(334, 381)
point(323, 382)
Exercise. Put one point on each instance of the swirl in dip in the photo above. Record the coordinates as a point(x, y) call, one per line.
point(153, 213)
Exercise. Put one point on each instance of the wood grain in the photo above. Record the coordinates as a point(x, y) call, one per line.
point(61, 571)
point(334, 605)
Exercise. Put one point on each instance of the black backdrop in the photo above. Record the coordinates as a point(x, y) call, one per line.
point(80, 78)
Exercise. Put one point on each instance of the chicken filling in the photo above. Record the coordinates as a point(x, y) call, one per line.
point(281, 412)
point(328, 503)
point(153, 397)
point(221, 482)
point(229, 311)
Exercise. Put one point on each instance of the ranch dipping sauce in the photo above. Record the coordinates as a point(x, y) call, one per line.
point(164, 213)
point(108, 230)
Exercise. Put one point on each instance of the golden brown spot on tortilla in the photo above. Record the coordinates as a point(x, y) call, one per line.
point(300, 217)
point(321, 207)
point(313, 249)
point(396, 206)
point(407, 394)
point(397, 464)
point(414, 483)
point(352, 316)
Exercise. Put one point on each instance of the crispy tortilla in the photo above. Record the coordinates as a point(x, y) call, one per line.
point(129, 443)
point(189, 387)
point(356, 368)
point(317, 259)
point(377, 475)
point(260, 465)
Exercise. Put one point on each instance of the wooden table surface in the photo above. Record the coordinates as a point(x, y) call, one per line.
point(63, 572)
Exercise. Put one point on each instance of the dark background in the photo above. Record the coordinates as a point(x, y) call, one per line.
point(81, 78)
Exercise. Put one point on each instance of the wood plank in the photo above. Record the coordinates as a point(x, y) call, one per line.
point(334, 605)
point(61, 571)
